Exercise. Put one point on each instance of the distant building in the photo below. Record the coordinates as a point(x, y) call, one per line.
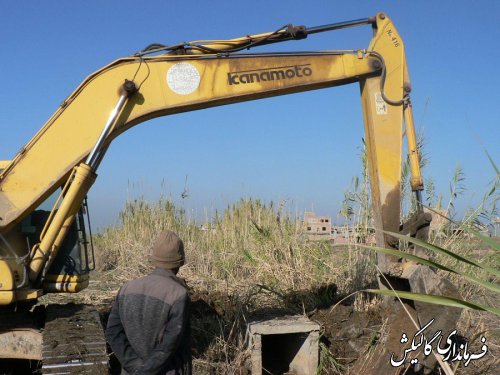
point(321, 228)
point(321, 225)
point(352, 235)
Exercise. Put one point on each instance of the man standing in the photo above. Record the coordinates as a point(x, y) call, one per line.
point(149, 326)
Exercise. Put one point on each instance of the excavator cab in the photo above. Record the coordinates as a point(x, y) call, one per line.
point(69, 272)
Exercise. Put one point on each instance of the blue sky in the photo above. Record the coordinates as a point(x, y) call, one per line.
point(303, 148)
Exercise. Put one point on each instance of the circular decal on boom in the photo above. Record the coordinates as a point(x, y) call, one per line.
point(183, 78)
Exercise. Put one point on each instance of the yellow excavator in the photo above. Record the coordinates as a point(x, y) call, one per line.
point(48, 251)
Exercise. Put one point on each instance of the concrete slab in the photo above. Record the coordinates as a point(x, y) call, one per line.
point(285, 345)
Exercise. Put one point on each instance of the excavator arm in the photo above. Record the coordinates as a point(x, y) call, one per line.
point(162, 80)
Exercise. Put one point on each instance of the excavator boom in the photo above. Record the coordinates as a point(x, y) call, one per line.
point(181, 84)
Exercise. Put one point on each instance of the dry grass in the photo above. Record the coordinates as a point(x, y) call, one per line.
point(249, 244)
point(253, 257)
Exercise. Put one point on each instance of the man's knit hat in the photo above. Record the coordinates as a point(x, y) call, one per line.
point(168, 251)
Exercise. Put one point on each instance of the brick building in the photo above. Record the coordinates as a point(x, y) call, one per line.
point(317, 224)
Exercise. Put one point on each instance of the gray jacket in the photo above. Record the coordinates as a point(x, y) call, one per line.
point(149, 326)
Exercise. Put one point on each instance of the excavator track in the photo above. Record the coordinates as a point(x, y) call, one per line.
point(73, 341)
